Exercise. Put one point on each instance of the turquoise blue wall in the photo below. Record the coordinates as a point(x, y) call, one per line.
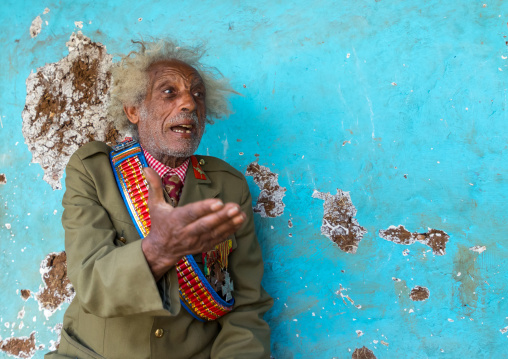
point(400, 103)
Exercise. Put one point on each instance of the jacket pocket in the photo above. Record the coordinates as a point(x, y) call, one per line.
point(70, 347)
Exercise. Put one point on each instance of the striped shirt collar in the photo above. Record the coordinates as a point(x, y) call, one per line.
point(162, 169)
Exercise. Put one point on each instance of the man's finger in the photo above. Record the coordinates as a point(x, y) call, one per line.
point(230, 215)
point(155, 194)
point(194, 211)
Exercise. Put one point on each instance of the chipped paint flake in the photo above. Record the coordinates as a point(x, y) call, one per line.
point(419, 294)
point(503, 330)
point(57, 287)
point(46, 10)
point(22, 347)
point(363, 353)
point(269, 203)
point(478, 249)
point(78, 24)
point(25, 294)
point(66, 106)
point(339, 223)
point(434, 238)
point(36, 26)
point(3, 179)
point(21, 313)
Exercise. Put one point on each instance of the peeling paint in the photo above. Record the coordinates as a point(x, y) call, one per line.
point(419, 294)
point(57, 287)
point(35, 28)
point(3, 179)
point(346, 296)
point(25, 294)
point(269, 202)
point(338, 222)
point(434, 238)
point(22, 347)
point(54, 344)
point(363, 353)
point(478, 249)
point(66, 106)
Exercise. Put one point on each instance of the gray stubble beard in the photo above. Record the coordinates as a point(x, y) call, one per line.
point(149, 138)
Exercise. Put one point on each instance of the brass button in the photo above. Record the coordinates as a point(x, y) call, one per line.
point(159, 333)
point(123, 240)
point(201, 162)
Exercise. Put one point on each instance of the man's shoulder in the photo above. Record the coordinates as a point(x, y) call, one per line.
point(92, 148)
point(214, 164)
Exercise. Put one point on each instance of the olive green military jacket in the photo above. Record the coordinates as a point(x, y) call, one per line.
point(118, 307)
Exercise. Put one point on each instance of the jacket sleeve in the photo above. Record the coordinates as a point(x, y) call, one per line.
point(244, 332)
point(111, 279)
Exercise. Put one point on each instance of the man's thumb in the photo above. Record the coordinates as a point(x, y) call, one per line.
point(155, 194)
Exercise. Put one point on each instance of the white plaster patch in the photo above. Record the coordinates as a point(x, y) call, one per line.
point(46, 10)
point(35, 28)
point(339, 223)
point(269, 202)
point(78, 24)
point(66, 106)
point(8, 225)
point(359, 333)
point(21, 313)
point(503, 330)
point(478, 249)
point(58, 330)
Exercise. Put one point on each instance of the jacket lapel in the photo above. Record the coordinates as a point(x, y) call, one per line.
point(196, 189)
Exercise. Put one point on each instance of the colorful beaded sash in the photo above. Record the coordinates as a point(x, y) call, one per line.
point(196, 293)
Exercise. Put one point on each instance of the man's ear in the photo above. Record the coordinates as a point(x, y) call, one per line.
point(132, 113)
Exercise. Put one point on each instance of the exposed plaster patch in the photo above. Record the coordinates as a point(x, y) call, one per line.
point(56, 329)
point(57, 287)
point(269, 203)
point(290, 223)
point(22, 347)
point(478, 249)
point(419, 294)
point(3, 179)
point(503, 330)
point(46, 10)
point(21, 313)
point(66, 106)
point(434, 238)
point(363, 353)
point(359, 333)
point(25, 294)
point(35, 28)
point(8, 225)
point(339, 223)
point(78, 24)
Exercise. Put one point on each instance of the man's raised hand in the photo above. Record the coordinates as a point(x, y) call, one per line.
point(194, 228)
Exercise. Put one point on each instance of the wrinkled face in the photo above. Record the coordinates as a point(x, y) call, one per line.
point(172, 116)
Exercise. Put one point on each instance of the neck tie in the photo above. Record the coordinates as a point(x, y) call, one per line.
point(173, 186)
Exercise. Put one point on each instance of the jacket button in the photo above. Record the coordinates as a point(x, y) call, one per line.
point(201, 162)
point(123, 240)
point(159, 333)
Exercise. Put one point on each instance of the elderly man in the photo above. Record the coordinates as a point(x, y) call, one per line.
point(161, 247)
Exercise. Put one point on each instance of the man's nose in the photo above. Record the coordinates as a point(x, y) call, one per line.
point(188, 104)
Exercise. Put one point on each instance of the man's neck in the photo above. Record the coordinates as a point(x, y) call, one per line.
point(169, 161)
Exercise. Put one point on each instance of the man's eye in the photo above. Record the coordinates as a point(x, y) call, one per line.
point(198, 94)
point(168, 91)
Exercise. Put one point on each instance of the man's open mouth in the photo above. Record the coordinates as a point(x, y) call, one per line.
point(182, 128)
